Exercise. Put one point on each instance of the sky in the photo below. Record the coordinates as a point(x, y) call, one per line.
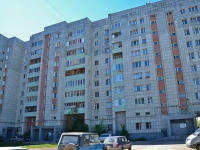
point(22, 18)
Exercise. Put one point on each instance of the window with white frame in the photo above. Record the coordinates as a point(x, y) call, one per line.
point(137, 76)
point(135, 53)
point(196, 81)
point(148, 125)
point(160, 78)
point(145, 51)
point(194, 8)
point(118, 67)
point(138, 126)
point(176, 57)
point(132, 22)
point(174, 45)
point(170, 23)
point(147, 74)
point(195, 19)
point(196, 30)
point(96, 52)
point(96, 106)
point(96, 83)
point(187, 32)
point(138, 88)
point(108, 93)
point(184, 21)
point(155, 32)
point(54, 95)
point(148, 87)
point(106, 32)
point(142, 30)
point(139, 101)
point(108, 71)
point(156, 42)
point(96, 43)
point(191, 55)
point(107, 60)
point(118, 78)
point(189, 44)
point(108, 82)
point(136, 64)
point(149, 100)
point(120, 102)
point(116, 25)
point(158, 65)
point(180, 82)
point(197, 42)
point(141, 20)
point(146, 63)
point(119, 89)
point(178, 69)
point(96, 94)
point(136, 42)
point(133, 32)
point(144, 41)
point(169, 13)
point(197, 95)
point(182, 11)
point(194, 68)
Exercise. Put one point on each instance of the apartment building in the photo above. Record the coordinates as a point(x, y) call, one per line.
point(139, 67)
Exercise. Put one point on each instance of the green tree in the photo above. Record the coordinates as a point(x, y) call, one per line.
point(76, 122)
point(100, 128)
point(198, 123)
point(124, 132)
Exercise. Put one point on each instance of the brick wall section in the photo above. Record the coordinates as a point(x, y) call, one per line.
point(30, 122)
point(43, 78)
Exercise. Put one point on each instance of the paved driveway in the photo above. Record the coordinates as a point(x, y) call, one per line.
point(167, 145)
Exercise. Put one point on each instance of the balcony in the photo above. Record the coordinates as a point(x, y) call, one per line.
point(120, 108)
point(31, 103)
point(116, 34)
point(32, 84)
point(28, 94)
point(69, 109)
point(117, 55)
point(29, 114)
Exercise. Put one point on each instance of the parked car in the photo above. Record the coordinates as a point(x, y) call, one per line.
point(15, 139)
point(103, 136)
point(2, 139)
point(193, 141)
point(80, 141)
point(117, 143)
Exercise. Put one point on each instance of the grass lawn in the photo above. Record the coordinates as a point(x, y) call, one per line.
point(28, 145)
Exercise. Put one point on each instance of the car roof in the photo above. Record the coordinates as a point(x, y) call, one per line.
point(77, 133)
point(114, 137)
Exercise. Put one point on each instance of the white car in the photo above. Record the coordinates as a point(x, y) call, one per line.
point(103, 136)
point(13, 148)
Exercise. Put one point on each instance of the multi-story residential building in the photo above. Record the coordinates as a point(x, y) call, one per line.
point(138, 67)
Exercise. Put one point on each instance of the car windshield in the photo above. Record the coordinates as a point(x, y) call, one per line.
point(69, 139)
point(104, 135)
point(196, 132)
point(110, 140)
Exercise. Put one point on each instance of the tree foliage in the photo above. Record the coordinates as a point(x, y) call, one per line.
point(100, 128)
point(124, 132)
point(75, 122)
point(198, 123)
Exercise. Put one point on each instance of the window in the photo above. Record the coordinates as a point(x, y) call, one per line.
point(96, 83)
point(146, 63)
point(156, 42)
point(158, 65)
point(195, 19)
point(119, 89)
point(136, 42)
point(96, 94)
point(148, 125)
point(136, 64)
point(194, 8)
point(160, 78)
point(197, 95)
point(137, 114)
point(174, 45)
point(120, 102)
point(184, 21)
point(75, 61)
point(78, 32)
point(197, 42)
point(189, 44)
point(177, 57)
point(95, 117)
point(191, 55)
point(198, 54)
point(55, 84)
point(147, 74)
point(196, 31)
point(96, 62)
point(96, 106)
point(95, 34)
point(138, 126)
point(107, 50)
point(57, 44)
point(196, 81)
point(194, 68)
point(178, 69)
point(109, 105)
point(171, 23)
point(145, 51)
point(173, 34)
point(58, 35)
point(108, 71)
point(106, 40)
point(118, 78)
point(96, 73)
point(153, 22)
point(138, 88)
point(53, 107)
point(22, 93)
point(118, 67)
point(55, 74)
point(169, 13)
point(76, 41)
point(133, 22)
point(141, 20)
point(149, 100)
point(107, 60)
point(143, 30)
point(187, 32)
point(137, 76)
point(110, 127)
point(155, 32)
point(182, 11)
point(108, 82)
point(96, 43)
point(133, 32)
point(162, 91)
point(144, 41)
point(148, 87)
point(135, 53)
point(180, 82)
point(106, 31)
point(96, 52)
point(157, 54)
point(147, 113)
point(54, 95)
point(116, 25)
point(108, 93)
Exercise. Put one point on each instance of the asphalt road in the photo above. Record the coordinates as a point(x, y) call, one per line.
point(157, 145)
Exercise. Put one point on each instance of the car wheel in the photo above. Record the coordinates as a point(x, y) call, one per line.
point(70, 147)
point(198, 147)
point(130, 147)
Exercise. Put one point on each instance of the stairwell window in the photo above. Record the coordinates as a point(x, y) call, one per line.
point(174, 45)
point(169, 13)
point(171, 23)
